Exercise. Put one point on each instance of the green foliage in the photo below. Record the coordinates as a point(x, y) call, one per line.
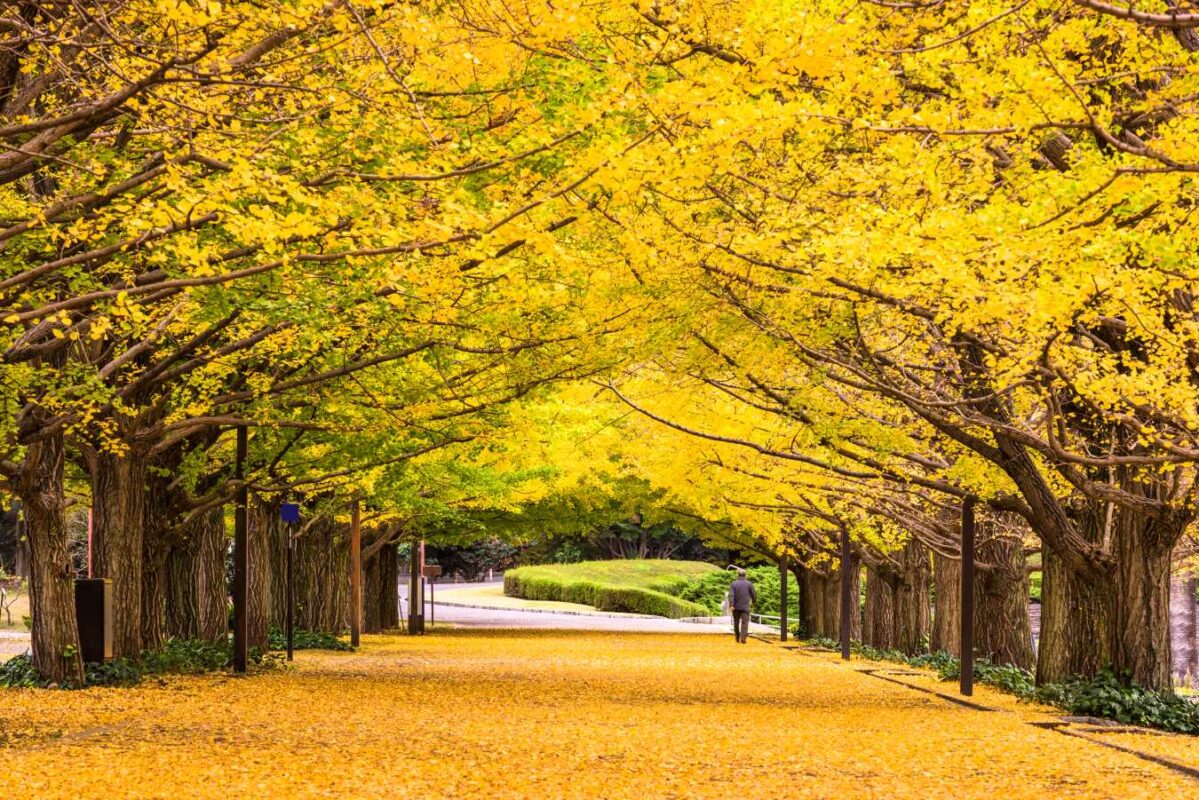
point(1034, 586)
point(626, 585)
point(569, 552)
point(306, 640)
point(177, 657)
point(18, 673)
point(709, 590)
point(1005, 677)
point(1105, 696)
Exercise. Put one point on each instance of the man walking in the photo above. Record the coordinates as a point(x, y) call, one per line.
point(741, 599)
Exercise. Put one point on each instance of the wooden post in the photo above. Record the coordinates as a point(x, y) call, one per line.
point(241, 558)
point(847, 604)
point(291, 594)
point(783, 598)
point(356, 572)
point(416, 594)
point(967, 672)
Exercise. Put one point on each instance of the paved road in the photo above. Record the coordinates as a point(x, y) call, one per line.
point(13, 643)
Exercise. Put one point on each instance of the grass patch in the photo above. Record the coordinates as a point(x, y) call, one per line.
point(636, 586)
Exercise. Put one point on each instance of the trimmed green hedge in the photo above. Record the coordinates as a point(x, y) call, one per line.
point(549, 583)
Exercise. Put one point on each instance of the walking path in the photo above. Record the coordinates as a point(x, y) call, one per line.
point(13, 643)
point(475, 605)
point(501, 714)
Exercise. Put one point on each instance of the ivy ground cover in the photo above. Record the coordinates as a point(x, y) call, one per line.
point(555, 714)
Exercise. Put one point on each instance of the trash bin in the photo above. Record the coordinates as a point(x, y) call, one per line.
point(93, 611)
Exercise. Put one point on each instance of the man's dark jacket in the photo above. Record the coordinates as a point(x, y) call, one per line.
point(742, 594)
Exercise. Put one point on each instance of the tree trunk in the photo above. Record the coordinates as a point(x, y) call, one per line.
point(118, 503)
point(371, 589)
point(879, 628)
point(831, 602)
point(21, 568)
point(154, 592)
point(1002, 630)
point(322, 560)
point(263, 527)
point(947, 608)
point(1143, 548)
point(197, 590)
point(389, 591)
point(158, 538)
point(1074, 623)
point(813, 613)
point(182, 617)
point(913, 611)
point(51, 580)
point(277, 544)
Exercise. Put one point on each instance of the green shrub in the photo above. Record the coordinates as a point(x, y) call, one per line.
point(18, 672)
point(1008, 678)
point(306, 640)
point(710, 590)
point(629, 586)
point(645, 601)
point(177, 657)
point(1105, 696)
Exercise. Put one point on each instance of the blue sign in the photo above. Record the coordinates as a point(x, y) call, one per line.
point(289, 512)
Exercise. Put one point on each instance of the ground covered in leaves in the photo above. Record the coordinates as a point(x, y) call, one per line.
point(560, 714)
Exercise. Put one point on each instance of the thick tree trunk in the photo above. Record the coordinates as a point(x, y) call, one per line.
point(879, 628)
point(51, 580)
point(913, 610)
point(1143, 548)
point(1002, 631)
point(1075, 638)
point(832, 601)
point(322, 561)
point(263, 528)
point(389, 592)
point(197, 589)
point(182, 617)
point(947, 606)
point(831, 605)
point(118, 503)
point(158, 538)
point(154, 592)
point(371, 589)
point(812, 599)
point(277, 544)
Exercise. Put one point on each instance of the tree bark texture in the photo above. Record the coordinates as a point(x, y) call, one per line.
point(322, 560)
point(118, 503)
point(947, 605)
point(56, 654)
point(879, 624)
point(1002, 630)
point(913, 609)
point(262, 530)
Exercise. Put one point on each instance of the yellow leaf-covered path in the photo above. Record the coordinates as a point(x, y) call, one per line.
point(555, 714)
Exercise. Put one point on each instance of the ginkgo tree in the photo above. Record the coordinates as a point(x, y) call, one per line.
point(976, 216)
point(210, 203)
